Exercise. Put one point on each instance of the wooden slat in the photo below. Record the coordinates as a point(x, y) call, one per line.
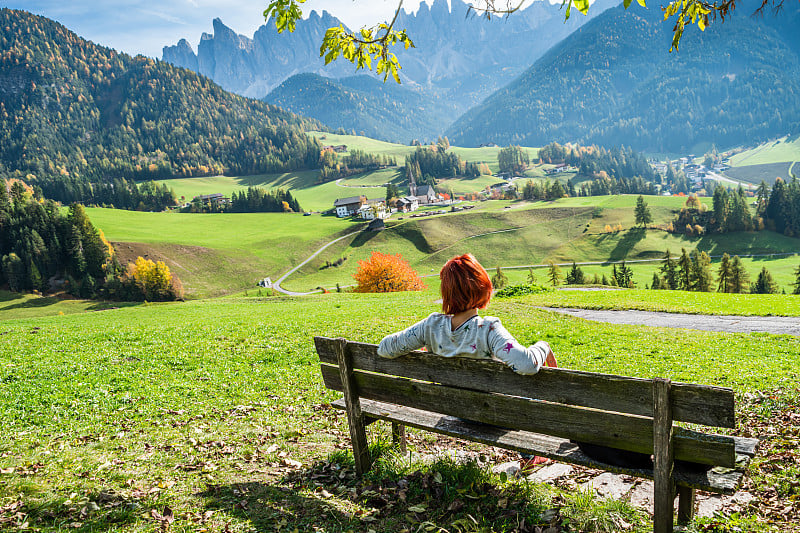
point(616, 430)
point(698, 404)
point(663, 484)
point(719, 480)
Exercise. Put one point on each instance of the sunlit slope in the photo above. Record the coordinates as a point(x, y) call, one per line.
point(219, 253)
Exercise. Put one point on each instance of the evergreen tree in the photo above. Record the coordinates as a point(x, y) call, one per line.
point(796, 283)
point(575, 275)
point(656, 283)
point(642, 212)
point(669, 268)
point(554, 274)
point(724, 274)
point(499, 280)
point(740, 280)
point(684, 271)
point(531, 276)
point(702, 280)
point(764, 284)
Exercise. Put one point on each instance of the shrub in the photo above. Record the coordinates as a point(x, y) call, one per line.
point(520, 290)
point(386, 273)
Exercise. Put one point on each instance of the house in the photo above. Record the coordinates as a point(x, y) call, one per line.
point(407, 203)
point(426, 195)
point(209, 199)
point(339, 148)
point(346, 207)
point(373, 209)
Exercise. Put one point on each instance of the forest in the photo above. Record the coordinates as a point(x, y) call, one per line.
point(81, 122)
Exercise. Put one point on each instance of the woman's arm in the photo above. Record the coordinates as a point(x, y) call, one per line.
point(402, 342)
point(520, 359)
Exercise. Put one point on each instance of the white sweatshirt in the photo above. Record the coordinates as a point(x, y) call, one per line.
point(477, 338)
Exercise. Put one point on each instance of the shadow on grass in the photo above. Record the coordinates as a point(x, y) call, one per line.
point(33, 303)
point(271, 506)
point(626, 243)
point(6, 296)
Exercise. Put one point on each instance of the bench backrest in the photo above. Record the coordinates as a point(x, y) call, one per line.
point(604, 409)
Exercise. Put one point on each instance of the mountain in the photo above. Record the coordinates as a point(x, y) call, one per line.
point(75, 116)
point(382, 111)
point(458, 59)
point(613, 82)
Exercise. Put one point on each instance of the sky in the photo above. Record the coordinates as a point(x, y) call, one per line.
point(145, 26)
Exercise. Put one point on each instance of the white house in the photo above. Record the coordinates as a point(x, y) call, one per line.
point(346, 207)
point(407, 203)
point(370, 212)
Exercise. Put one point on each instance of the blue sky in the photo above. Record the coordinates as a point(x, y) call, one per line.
point(145, 26)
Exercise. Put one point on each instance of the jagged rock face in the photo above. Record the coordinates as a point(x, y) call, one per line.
point(462, 57)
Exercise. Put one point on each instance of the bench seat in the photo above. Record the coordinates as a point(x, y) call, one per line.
point(719, 479)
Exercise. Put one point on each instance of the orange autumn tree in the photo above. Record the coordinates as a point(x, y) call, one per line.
point(386, 273)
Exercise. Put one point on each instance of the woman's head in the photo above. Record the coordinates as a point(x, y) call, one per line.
point(465, 285)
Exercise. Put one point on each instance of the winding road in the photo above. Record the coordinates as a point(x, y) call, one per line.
point(277, 284)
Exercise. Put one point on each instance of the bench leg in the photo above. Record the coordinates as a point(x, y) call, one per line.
point(663, 484)
point(685, 505)
point(355, 418)
point(399, 437)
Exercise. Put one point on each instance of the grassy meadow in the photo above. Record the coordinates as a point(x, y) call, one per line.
point(210, 415)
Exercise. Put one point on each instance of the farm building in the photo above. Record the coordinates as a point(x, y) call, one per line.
point(346, 207)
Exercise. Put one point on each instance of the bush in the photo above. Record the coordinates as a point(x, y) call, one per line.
point(386, 273)
point(520, 290)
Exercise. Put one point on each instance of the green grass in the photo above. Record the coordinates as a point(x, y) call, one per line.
point(201, 407)
point(672, 302)
point(219, 253)
point(15, 305)
point(778, 151)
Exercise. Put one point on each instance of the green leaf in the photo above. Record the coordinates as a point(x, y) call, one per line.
point(582, 5)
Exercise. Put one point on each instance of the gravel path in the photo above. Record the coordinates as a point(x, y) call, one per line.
point(725, 323)
point(277, 284)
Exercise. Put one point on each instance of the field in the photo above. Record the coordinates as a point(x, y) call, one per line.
point(766, 161)
point(219, 253)
point(210, 415)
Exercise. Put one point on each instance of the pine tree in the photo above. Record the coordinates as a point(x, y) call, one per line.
point(669, 268)
point(740, 280)
point(656, 283)
point(499, 280)
point(554, 274)
point(531, 276)
point(575, 275)
point(702, 280)
point(642, 212)
point(684, 271)
point(796, 283)
point(724, 274)
point(765, 284)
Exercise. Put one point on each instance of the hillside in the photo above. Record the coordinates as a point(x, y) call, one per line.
point(364, 104)
point(458, 59)
point(74, 113)
point(613, 83)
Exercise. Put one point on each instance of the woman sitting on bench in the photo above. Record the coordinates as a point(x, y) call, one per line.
point(460, 331)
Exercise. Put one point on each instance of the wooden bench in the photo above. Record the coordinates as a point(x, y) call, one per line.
point(484, 401)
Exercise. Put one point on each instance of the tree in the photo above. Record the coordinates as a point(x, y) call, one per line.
point(154, 280)
point(670, 270)
point(386, 273)
point(554, 274)
point(371, 44)
point(740, 280)
point(532, 276)
point(765, 284)
point(642, 212)
point(512, 159)
point(701, 272)
point(796, 283)
point(623, 275)
point(499, 280)
point(724, 274)
point(392, 191)
point(684, 271)
point(656, 283)
point(575, 275)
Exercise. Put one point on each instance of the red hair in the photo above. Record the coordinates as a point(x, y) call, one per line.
point(465, 285)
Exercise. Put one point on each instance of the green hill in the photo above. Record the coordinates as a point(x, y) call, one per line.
point(75, 113)
point(612, 82)
point(388, 112)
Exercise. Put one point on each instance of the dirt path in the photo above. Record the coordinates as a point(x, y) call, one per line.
point(725, 323)
point(277, 284)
